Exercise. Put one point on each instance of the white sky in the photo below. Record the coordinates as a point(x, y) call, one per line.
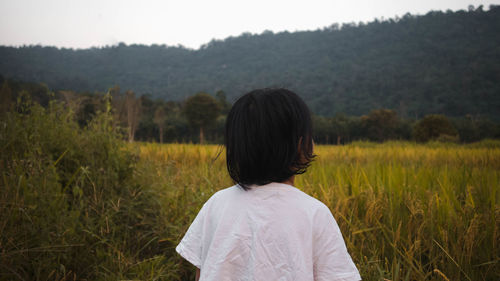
point(86, 23)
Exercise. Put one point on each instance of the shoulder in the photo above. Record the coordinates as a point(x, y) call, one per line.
point(224, 195)
point(234, 190)
point(320, 213)
point(297, 200)
point(310, 201)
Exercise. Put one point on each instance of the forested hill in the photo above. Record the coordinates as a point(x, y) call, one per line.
point(441, 62)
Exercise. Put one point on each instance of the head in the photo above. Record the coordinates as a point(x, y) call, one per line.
point(268, 137)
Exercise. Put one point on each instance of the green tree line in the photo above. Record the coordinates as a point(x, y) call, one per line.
point(437, 63)
point(201, 118)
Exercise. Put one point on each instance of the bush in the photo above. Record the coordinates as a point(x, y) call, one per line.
point(70, 207)
point(434, 127)
point(381, 124)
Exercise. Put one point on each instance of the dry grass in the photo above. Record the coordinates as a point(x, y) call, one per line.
point(407, 211)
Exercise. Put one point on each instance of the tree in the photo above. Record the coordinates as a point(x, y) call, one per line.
point(433, 127)
point(159, 119)
point(474, 128)
point(118, 104)
point(127, 110)
point(5, 98)
point(201, 110)
point(225, 106)
point(321, 126)
point(419, 65)
point(89, 106)
point(340, 127)
point(133, 106)
point(147, 130)
point(381, 124)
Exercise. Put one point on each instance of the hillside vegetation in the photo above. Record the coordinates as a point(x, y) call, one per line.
point(441, 62)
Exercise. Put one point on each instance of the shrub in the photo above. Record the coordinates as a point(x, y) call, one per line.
point(70, 207)
point(434, 127)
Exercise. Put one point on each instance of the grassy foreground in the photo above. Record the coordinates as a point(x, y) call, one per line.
point(407, 211)
point(80, 204)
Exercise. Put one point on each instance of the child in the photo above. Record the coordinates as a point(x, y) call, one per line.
point(263, 228)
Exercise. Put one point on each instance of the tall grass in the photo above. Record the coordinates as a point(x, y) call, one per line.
point(414, 212)
point(82, 204)
point(407, 211)
point(69, 206)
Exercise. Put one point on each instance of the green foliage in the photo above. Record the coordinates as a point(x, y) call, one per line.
point(224, 105)
point(81, 204)
point(445, 63)
point(435, 127)
point(70, 207)
point(6, 96)
point(475, 128)
point(381, 124)
point(337, 130)
point(201, 111)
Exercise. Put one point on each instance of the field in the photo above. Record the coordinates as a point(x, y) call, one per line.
point(81, 204)
point(407, 211)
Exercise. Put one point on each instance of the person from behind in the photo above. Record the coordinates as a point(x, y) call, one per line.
point(264, 228)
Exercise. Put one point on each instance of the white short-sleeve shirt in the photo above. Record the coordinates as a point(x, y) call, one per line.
point(272, 232)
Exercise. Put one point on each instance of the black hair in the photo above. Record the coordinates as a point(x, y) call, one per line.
point(268, 137)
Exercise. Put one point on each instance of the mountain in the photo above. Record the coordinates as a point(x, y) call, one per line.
point(441, 62)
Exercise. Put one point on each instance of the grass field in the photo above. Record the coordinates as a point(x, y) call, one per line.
point(407, 211)
point(82, 204)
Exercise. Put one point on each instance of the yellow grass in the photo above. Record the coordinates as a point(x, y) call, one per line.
point(407, 211)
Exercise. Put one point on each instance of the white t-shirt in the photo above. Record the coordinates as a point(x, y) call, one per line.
point(273, 232)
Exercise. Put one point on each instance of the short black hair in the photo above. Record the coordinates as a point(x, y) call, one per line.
point(268, 137)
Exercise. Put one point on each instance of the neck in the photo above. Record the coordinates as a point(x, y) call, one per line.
point(289, 181)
